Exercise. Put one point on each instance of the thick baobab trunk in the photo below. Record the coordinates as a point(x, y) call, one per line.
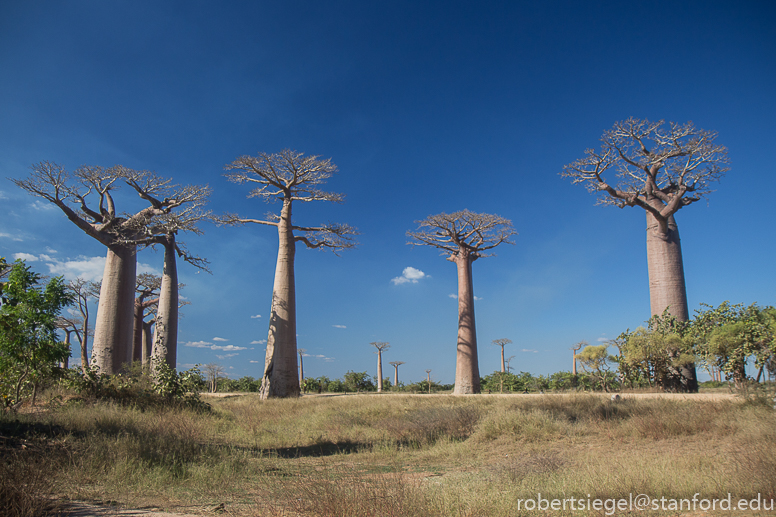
point(379, 371)
point(112, 348)
point(147, 343)
point(503, 363)
point(467, 371)
point(165, 346)
point(396, 376)
point(301, 372)
point(137, 332)
point(84, 343)
point(280, 366)
point(666, 271)
point(666, 283)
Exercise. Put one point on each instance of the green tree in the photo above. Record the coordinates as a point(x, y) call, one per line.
point(595, 360)
point(358, 381)
point(29, 346)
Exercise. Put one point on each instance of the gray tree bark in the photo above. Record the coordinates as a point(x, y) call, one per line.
point(280, 377)
point(467, 370)
point(165, 346)
point(114, 324)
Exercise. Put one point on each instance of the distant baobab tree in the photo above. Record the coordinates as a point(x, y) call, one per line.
point(380, 346)
point(146, 297)
point(301, 352)
point(501, 343)
point(576, 348)
point(659, 169)
point(463, 237)
point(396, 365)
point(287, 176)
point(81, 291)
point(509, 360)
point(428, 380)
point(120, 233)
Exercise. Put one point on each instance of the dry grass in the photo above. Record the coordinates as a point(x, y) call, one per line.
point(403, 454)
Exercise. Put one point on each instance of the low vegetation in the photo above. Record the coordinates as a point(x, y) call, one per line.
point(389, 454)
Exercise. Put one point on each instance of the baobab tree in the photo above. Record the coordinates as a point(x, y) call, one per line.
point(428, 380)
point(659, 169)
point(146, 297)
point(81, 291)
point(380, 346)
point(301, 352)
point(120, 233)
point(396, 365)
point(576, 348)
point(287, 176)
point(464, 237)
point(501, 343)
point(165, 343)
point(509, 360)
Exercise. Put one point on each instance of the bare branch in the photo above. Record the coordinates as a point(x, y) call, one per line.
point(657, 168)
point(463, 231)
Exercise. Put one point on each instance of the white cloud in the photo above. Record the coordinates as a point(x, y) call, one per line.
point(9, 236)
point(254, 362)
point(339, 326)
point(25, 256)
point(219, 339)
point(40, 205)
point(410, 274)
point(256, 316)
point(49, 250)
point(228, 348)
point(258, 342)
point(88, 268)
point(226, 356)
point(199, 344)
point(602, 339)
point(528, 350)
point(2, 195)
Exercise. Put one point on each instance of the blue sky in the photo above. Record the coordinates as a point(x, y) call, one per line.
point(425, 107)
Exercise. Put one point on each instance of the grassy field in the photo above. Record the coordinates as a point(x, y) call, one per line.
point(392, 455)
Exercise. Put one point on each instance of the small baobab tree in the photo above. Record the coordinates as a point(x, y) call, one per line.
point(396, 365)
point(146, 297)
point(213, 372)
point(287, 176)
point(501, 343)
point(120, 233)
point(464, 237)
point(576, 348)
point(659, 169)
point(428, 380)
point(301, 352)
point(76, 320)
point(380, 346)
point(509, 360)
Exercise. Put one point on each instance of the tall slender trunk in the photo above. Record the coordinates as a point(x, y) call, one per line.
point(137, 331)
point(112, 347)
point(503, 363)
point(301, 372)
point(396, 376)
point(84, 343)
point(379, 371)
point(280, 365)
point(148, 342)
point(467, 371)
point(165, 347)
point(666, 283)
